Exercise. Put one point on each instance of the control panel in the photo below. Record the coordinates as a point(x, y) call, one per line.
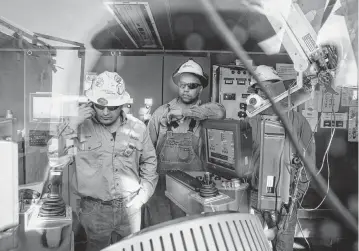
point(38, 137)
point(233, 82)
point(215, 193)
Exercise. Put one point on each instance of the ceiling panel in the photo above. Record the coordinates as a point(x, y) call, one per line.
point(183, 25)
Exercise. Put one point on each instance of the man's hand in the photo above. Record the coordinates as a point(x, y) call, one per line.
point(85, 111)
point(136, 202)
point(175, 114)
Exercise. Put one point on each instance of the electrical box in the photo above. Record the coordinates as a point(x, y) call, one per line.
point(233, 82)
point(274, 179)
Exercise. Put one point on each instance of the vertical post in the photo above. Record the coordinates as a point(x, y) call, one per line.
point(81, 55)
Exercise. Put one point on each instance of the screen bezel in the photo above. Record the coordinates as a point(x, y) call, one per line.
point(224, 125)
point(32, 96)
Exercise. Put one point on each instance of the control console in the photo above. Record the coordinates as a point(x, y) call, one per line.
point(197, 192)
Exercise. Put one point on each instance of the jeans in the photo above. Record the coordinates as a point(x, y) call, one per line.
point(99, 221)
point(284, 239)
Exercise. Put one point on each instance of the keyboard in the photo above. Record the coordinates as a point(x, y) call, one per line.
point(186, 179)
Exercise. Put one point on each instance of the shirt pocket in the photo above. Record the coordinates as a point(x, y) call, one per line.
point(89, 157)
point(130, 152)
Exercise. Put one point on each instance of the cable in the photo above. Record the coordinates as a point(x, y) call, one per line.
point(326, 151)
point(325, 157)
point(301, 230)
point(232, 42)
point(320, 204)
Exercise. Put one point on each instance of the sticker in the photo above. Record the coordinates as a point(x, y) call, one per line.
point(312, 118)
point(102, 101)
point(89, 78)
point(120, 88)
point(270, 184)
point(353, 124)
point(99, 82)
point(330, 101)
point(336, 120)
point(286, 71)
point(315, 103)
point(129, 150)
point(349, 96)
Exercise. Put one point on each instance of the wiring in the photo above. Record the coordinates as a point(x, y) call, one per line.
point(325, 159)
point(301, 230)
point(325, 196)
point(232, 42)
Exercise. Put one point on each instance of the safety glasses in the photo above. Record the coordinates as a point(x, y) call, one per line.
point(191, 86)
point(110, 108)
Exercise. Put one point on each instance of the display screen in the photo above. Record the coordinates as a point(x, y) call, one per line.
point(220, 148)
point(41, 107)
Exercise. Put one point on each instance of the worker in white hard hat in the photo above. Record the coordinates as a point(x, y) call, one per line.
point(281, 225)
point(116, 162)
point(271, 81)
point(175, 132)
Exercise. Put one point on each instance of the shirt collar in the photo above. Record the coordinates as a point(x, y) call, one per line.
point(123, 117)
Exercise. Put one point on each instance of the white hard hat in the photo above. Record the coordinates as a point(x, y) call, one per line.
point(191, 67)
point(265, 73)
point(108, 89)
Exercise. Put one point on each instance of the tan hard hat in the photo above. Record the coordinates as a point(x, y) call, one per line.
point(191, 67)
point(108, 89)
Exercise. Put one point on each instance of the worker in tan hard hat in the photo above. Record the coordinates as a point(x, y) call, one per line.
point(281, 225)
point(116, 162)
point(175, 132)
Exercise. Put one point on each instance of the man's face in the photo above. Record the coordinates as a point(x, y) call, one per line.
point(189, 88)
point(107, 115)
point(257, 90)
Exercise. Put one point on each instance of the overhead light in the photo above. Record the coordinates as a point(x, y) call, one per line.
point(136, 19)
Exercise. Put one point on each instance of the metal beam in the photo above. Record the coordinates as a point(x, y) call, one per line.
point(21, 32)
point(57, 39)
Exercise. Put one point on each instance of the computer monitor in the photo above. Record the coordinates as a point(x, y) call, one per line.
point(42, 109)
point(228, 147)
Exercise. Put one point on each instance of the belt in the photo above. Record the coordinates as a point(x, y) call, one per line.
point(114, 202)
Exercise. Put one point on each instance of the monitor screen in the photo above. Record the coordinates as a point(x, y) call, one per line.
point(220, 147)
point(43, 108)
point(228, 146)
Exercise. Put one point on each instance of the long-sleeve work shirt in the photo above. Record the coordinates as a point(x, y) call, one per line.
point(157, 126)
point(110, 168)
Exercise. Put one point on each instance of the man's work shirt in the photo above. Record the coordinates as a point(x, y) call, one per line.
point(304, 133)
point(109, 167)
point(184, 138)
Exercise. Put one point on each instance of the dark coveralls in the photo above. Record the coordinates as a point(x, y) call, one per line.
point(177, 148)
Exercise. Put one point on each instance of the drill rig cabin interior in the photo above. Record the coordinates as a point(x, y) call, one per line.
point(44, 74)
